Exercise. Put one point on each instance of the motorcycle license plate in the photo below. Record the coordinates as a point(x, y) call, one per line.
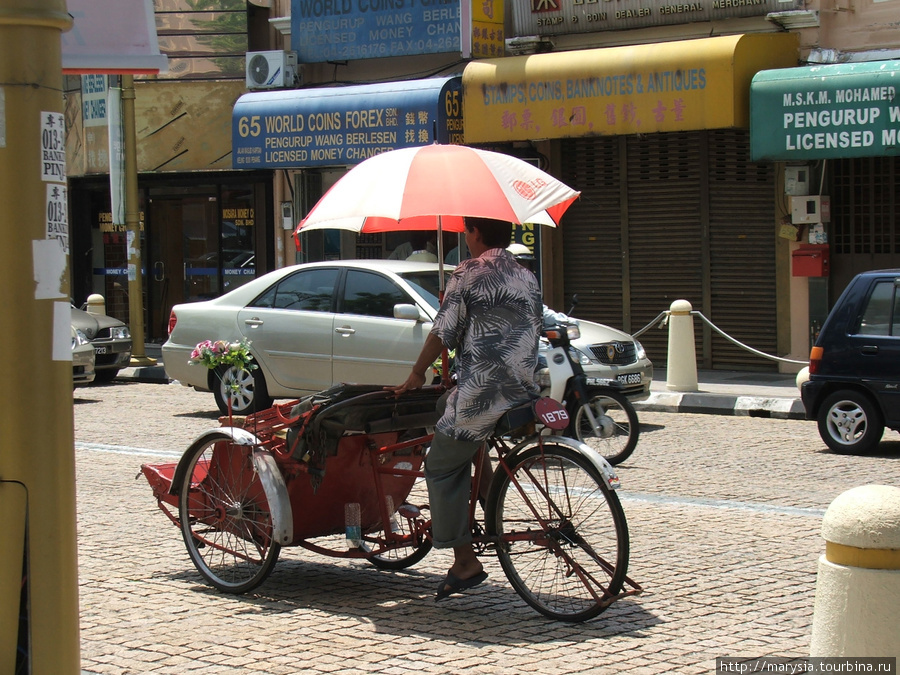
point(630, 378)
point(99, 350)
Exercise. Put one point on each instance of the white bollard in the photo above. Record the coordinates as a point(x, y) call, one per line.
point(802, 377)
point(858, 584)
point(96, 304)
point(681, 368)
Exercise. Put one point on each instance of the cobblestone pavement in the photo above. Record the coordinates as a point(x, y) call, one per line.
point(724, 514)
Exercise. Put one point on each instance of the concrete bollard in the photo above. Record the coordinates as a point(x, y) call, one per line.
point(802, 377)
point(681, 367)
point(858, 584)
point(96, 304)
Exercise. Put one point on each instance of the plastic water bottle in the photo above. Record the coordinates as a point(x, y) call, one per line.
point(395, 524)
point(352, 525)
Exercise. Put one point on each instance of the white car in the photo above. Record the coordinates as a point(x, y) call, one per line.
point(309, 326)
point(612, 354)
point(83, 372)
point(357, 321)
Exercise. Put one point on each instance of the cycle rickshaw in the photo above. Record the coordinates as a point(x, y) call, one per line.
point(340, 473)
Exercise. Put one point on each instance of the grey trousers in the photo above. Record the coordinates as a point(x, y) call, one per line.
point(448, 475)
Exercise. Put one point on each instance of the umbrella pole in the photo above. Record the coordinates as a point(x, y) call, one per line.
point(445, 354)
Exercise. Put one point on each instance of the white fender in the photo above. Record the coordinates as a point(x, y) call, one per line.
point(599, 461)
point(560, 372)
point(277, 494)
point(269, 475)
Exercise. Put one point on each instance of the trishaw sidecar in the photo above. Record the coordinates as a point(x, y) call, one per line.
point(291, 474)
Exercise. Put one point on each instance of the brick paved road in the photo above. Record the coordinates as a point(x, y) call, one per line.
point(724, 515)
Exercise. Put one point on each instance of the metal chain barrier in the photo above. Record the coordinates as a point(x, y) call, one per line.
point(663, 318)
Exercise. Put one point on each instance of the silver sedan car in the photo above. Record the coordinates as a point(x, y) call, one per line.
point(309, 326)
point(82, 359)
point(357, 321)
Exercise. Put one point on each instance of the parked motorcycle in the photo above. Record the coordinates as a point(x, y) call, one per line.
point(601, 415)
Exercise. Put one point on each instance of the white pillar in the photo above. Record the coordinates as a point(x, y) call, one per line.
point(858, 584)
point(96, 304)
point(681, 368)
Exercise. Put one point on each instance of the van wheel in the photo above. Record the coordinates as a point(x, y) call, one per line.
point(850, 423)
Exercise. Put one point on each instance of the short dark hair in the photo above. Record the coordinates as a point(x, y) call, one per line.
point(494, 233)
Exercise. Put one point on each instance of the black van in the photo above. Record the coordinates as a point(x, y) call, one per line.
point(853, 390)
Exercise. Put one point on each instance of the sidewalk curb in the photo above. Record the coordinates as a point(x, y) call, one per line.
point(779, 407)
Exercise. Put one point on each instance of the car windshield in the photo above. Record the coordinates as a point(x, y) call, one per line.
point(426, 285)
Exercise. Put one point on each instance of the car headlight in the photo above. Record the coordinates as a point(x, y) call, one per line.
point(639, 351)
point(580, 356)
point(79, 338)
point(119, 332)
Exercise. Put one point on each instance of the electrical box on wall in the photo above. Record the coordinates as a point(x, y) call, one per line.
point(796, 180)
point(810, 209)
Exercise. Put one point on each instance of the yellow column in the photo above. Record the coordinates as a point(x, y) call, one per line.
point(37, 460)
point(133, 229)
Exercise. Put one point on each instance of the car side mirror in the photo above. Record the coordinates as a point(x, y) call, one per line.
point(408, 313)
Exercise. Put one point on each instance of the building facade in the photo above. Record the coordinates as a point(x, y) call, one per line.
point(645, 106)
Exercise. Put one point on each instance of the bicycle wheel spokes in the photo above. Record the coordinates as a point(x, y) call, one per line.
point(225, 516)
point(564, 540)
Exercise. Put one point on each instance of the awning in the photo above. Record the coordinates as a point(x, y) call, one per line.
point(671, 86)
point(339, 126)
point(112, 37)
point(826, 112)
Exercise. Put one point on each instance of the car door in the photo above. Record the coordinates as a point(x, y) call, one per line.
point(291, 326)
point(874, 347)
point(370, 345)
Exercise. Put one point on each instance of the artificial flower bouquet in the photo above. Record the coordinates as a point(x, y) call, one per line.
point(223, 353)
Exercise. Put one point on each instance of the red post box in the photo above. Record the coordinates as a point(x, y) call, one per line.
point(810, 260)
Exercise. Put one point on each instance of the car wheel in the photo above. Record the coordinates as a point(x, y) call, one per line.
point(247, 388)
point(850, 423)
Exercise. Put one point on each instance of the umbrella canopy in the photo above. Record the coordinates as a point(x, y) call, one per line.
point(433, 187)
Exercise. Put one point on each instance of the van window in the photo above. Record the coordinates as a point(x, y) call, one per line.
point(880, 316)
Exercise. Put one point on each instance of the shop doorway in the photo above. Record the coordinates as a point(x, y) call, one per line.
point(183, 264)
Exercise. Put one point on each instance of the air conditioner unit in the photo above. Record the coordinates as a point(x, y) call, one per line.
point(271, 70)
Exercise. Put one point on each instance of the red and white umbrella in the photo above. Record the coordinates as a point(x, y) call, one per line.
point(433, 187)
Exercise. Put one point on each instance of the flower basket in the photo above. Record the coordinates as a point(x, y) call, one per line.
point(223, 353)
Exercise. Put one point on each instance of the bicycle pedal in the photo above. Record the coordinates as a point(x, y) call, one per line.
point(409, 511)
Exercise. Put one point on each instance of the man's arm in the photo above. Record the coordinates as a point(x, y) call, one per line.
point(430, 351)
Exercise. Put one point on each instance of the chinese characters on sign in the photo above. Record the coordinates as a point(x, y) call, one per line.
point(333, 30)
point(612, 104)
point(53, 172)
point(487, 29)
point(344, 125)
point(558, 17)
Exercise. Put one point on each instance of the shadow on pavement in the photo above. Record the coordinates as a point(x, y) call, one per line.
point(401, 604)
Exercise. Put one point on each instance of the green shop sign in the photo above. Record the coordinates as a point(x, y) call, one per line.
point(826, 112)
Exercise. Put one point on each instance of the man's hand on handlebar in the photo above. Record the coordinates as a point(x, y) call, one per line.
point(414, 381)
point(430, 351)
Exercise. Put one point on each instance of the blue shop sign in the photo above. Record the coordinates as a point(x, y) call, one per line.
point(342, 126)
point(341, 30)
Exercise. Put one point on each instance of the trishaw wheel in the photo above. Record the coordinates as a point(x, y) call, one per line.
point(403, 556)
point(563, 536)
point(225, 517)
